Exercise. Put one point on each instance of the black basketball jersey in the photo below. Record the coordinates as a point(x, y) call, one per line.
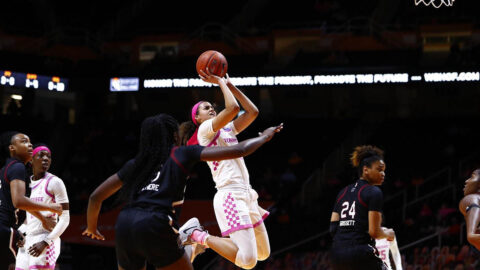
point(13, 169)
point(167, 186)
point(352, 205)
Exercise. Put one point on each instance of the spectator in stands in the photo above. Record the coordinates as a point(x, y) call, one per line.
point(444, 211)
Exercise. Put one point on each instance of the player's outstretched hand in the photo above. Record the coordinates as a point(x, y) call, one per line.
point(94, 234)
point(209, 77)
point(269, 132)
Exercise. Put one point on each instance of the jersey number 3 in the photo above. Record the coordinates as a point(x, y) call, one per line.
point(345, 207)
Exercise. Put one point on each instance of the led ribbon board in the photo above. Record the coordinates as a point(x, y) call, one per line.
point(325, 79)
point(32, 80)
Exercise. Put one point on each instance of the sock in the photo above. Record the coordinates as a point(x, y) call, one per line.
point(200, 237)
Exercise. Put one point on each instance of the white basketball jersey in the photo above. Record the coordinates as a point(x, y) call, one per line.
point(224, 172)
point(383, 247)
point(42, 192)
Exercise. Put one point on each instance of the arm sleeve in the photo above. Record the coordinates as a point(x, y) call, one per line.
point(205, 132)
point(16, 172)
point(397, 259)
point(126, 170)
point(333, 227)
point(61, 226)
point(373, 196)
point(60, 192)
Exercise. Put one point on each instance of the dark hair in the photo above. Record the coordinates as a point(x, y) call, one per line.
point(5, 141)
point(185, 131)
point(365, 155)
point(157, 137)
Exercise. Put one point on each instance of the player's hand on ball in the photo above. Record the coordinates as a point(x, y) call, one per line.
point(209, 77)
point(269, 132)
point(94, 234)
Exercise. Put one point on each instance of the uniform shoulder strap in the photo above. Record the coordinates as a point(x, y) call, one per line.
point(360, 197)
point(6, 168)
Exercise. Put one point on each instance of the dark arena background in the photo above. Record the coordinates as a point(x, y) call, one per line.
point(81, 76)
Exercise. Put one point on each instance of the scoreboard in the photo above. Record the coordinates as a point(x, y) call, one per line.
point(32, 80)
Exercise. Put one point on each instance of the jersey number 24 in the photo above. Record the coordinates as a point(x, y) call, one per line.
point(351, 211)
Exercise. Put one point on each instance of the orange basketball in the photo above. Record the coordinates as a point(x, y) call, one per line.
point(215, 61)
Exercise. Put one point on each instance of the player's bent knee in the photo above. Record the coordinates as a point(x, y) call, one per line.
point(246, 260)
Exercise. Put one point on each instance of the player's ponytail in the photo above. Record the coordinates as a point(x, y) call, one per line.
point(365, 155)
point(186, 131)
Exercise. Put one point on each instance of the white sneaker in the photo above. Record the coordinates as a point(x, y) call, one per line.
point(187, 229)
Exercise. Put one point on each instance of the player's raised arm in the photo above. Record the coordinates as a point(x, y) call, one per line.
point(251, 111)
point(231, 106)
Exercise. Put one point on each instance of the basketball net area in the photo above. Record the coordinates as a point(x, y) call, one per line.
point(435, 3)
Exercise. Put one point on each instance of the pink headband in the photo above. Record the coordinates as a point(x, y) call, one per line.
point(40, 148)
point(194, 111)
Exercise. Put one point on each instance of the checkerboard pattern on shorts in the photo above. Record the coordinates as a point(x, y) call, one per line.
point(50, 254)
point(231, 212)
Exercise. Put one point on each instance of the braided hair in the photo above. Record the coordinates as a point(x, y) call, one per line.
point(365, 155)
point(157, 137)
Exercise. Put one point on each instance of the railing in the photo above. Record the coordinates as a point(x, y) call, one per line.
point(445, 173)
point(437, 234)
point(338, 158)
point(299, 243)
